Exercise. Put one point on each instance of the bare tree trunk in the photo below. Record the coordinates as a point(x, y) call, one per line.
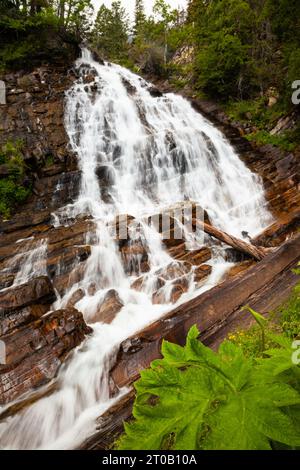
point(258, 253)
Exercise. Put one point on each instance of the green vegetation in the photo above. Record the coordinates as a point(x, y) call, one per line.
point(110, 33)
point(263, 118)
point(32, 29)
point(246, 396)
point(239, 52)
point(285, 321)
point(196, 399)
point(12, 188)
point(286, 141)
point(149, 43)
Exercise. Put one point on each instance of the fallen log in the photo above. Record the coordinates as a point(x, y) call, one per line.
point(258, 253)
point(217, 312)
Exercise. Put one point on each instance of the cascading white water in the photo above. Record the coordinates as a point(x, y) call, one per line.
point(149, 153)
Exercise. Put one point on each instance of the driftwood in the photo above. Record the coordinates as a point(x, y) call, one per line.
point(216, 312)
point(258, 253)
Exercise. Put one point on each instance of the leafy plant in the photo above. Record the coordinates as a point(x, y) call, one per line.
point(195, 398)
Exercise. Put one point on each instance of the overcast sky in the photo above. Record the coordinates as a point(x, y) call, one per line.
point(129, 4)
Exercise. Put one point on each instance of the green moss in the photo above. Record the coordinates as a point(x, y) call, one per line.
point(289, 314)
point(49, 160)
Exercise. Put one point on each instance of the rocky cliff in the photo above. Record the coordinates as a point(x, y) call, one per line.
point(36, 344)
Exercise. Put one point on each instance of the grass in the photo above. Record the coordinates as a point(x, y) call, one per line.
point(258, 114)
point(284, 141)
point(285, 320)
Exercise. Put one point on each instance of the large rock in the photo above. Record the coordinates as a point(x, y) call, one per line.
point(63, 261)
point(38, 290)
point(177, 274)
point(16, 318)
point(35, 352)
point(108, 308)
point(174, 271)
point(35, 113)
point(135, 258)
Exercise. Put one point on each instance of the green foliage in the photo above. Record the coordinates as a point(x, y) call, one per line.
point(219, 64)
point(262, 53)
point(12, 189)
point(289, 314)
point(11, 194)
point(285, 141)
point(255, 112)
point(139, 20)
point(110, 33)
point(195, 398)
point(285, 320)
point(258, 114)
point(29, 29)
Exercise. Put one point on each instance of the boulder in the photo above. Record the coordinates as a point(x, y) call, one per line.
point(131, 89)
point(39, 290)
point(155, 92)
point(178, 288)
point(35, 352)
point(108, 308)
point(135, 258)
point(174, 270)
point(201, 273)
point(75, 298)
point(16, 318)
point(63, 261)
point(97, 57)
point(106, 175)
point(139, 283)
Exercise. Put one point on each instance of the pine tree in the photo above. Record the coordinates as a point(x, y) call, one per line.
point(140, 18)
point(110, 34)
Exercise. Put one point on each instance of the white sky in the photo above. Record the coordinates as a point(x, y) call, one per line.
point(129, 4)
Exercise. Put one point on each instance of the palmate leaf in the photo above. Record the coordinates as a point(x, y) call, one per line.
point(195, 398)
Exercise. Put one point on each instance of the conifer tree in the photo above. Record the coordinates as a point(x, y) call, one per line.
point(140, 18)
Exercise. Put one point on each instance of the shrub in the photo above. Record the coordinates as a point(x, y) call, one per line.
point(12, 188)
point(218, 65)
point(285, 141)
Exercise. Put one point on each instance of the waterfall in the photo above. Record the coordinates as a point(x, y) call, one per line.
point(139, 155)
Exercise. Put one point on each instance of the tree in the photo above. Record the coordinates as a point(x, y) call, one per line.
point(140, 18)
point(167, 17)
point(110, 33)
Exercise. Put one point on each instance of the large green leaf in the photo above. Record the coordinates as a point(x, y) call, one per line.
point(195, 398)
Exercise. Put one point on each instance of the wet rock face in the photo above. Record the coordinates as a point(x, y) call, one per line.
point(35, 352)
point(34, 113)
point(38, 290)
point(37, 342)
point(108, 308)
